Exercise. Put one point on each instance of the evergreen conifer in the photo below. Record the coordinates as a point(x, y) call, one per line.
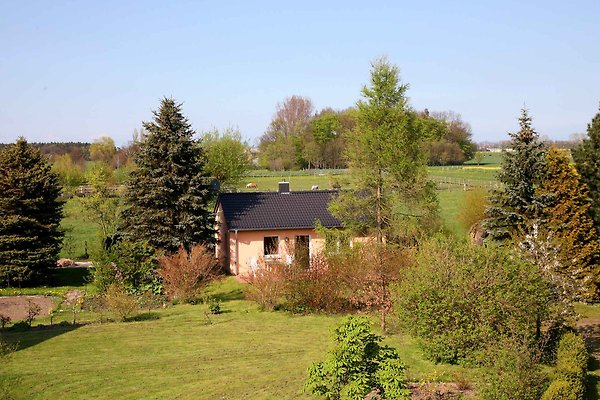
point(587, 161)
point(168, 194)
point(513, 208)
point(30, 214)
point(568, 220)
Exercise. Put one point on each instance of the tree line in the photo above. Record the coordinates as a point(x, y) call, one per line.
point(298, 137)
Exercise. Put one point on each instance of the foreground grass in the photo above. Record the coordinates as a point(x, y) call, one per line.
point(243, 353)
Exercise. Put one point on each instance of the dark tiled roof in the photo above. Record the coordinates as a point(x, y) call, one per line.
point(273, 210)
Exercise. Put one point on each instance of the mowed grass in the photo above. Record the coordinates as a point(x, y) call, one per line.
point(244, 353)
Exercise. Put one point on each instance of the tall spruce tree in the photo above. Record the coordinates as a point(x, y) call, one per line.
point(514, 208)
point(168, 193)
point(391, 197)
point(587, 161)
point(30, 214)
point(570, 226)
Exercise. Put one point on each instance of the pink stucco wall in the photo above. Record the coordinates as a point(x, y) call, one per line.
point(246, 248)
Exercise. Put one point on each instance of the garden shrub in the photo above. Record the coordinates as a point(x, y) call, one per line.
point(120, 302)
point(571, 357)
point(563, 389)
point(4, 319)
point(459, 298)
point(266, 285)
point(33, 310)
point(351, 280)
point(131, 264)
point(185, 274)
point(358, 366)
point(511, 371)
point(571, 366)
point(316, 288)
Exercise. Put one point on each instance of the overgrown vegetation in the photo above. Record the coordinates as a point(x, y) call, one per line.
point(460, 299)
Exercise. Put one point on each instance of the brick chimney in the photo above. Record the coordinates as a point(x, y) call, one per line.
point(284, 187)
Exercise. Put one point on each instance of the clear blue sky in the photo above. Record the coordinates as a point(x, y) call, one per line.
point(73, 71)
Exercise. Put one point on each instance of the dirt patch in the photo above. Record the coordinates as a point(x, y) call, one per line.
point(440, 391)
point(589, 328)
point(16, 307)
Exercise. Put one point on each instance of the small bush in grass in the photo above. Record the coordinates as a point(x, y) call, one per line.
point(6, 349)
point(185, 274)
point(359, 366)
point(214, 305)
point(120, 302)
point(33, 310)
point(562, 389)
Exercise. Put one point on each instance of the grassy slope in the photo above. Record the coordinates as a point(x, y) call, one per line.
point(245, 353)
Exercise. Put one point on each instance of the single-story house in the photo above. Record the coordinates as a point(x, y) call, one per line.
point(255, 227)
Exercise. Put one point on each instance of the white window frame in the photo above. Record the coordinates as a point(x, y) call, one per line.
point(277, 253)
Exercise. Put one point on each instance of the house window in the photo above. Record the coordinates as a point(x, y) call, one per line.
point(271, 244)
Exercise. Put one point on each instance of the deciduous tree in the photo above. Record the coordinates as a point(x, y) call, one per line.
point(30, 214)
point(390, 193)
point(227, 156)
point(103, 149)
point(169, 192)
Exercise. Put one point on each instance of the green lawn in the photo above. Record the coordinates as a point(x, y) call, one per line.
point(78, 230)
point(244, 353)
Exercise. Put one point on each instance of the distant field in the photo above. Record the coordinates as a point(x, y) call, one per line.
point(488, 158)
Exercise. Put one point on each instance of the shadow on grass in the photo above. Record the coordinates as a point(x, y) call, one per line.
point(228, 295)
point(591, 387)
point(146, 316)
point(38, 334)
point(69, 277)
point(591, 333)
